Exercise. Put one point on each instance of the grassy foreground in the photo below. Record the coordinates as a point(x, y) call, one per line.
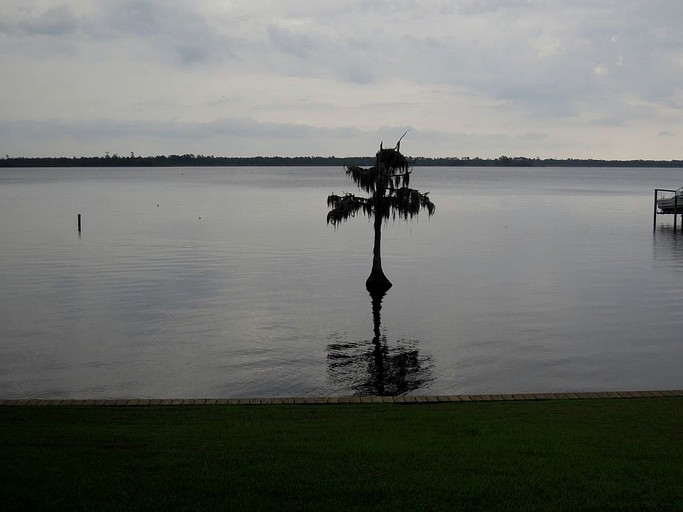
point(554, 455)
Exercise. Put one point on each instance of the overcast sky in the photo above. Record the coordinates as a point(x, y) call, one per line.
point(555, 78)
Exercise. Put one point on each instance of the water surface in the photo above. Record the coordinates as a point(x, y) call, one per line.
point(227, 282)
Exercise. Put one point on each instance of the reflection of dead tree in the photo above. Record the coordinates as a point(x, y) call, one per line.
point(387, 182)
point(374, 368)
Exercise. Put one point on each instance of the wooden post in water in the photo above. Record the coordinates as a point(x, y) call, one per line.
point(654, 214)
point(79, 222)
point(675, 211)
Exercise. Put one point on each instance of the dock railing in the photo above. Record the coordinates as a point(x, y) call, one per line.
point(667, 193)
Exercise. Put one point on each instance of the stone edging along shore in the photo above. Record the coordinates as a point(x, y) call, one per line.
point(422, 399)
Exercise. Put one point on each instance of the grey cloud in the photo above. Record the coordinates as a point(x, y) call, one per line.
point(238, 137)
point(613, 112)
point(56, 21)
point(299, 45)
point(190, 54)
point(533, 135)
point(172, 28)
point(253, 129)
point(472, 7)
point(371, 52)
point(167, 26)
point(226, 127)
point(544, 66)
point(136, 17)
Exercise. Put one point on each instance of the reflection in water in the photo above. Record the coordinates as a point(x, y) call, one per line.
point(372, 368)
point(667, 246)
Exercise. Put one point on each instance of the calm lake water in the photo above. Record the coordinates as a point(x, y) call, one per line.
point(227, 282)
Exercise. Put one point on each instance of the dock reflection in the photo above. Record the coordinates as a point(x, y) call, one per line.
point(667, 249)
point(373, 368)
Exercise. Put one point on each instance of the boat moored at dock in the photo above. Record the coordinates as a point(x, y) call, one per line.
point(672, 202)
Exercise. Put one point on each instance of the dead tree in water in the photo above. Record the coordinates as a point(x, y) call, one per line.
point(387, 181)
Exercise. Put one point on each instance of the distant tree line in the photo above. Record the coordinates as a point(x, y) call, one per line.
point(180, 161)
point(521, 161)
point(224, 161)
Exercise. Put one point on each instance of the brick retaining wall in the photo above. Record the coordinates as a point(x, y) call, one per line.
point(348, 399)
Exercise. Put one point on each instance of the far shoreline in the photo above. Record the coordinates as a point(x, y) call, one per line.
point(191, 160)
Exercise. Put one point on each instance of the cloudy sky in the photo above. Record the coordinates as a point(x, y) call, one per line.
point(546, 78)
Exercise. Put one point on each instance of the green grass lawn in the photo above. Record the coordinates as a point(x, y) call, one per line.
point(549, 455)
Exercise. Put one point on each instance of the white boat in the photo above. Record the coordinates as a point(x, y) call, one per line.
point(672, 203)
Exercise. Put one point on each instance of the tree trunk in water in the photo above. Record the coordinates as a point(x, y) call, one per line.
point(377, 282)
